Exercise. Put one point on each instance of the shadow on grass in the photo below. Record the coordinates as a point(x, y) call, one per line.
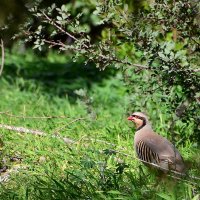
point(58, 78)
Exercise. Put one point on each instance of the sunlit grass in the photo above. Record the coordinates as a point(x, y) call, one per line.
point(100, 163)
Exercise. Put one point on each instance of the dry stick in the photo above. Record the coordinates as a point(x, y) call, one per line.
point(38, 132)
point(104, 142)
point(23, 130)
point(66, 139)
point(70, 141)
point(161, 168)
point(129, 155)
point(35, 132)
point(152, 164)
point(36, 117)
point(2, 57)
point(75, 120)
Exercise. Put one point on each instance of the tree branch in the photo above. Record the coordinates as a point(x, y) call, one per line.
point(50, 21)
point(2, 57)
point(60, 28)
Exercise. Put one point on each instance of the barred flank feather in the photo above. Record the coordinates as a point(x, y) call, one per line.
point(146, 154)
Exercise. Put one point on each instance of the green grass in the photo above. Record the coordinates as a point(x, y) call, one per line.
point(100, 164)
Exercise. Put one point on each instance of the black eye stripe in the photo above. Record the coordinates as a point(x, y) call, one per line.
point(138, 117)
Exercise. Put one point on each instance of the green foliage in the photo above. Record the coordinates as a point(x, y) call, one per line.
point(163, 36)
point(11, 18)
point(100, 164)
point(96, 161)
point(56, 73)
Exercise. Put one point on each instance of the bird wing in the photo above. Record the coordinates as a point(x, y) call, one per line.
point(160, 151)
point(161, 146)
point(147, 155)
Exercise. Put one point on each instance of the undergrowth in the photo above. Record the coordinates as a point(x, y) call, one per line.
point(99, 163)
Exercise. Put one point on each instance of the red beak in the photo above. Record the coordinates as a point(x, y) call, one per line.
point(130, 118)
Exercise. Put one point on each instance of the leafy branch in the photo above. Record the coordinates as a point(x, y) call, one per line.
point(156, 47)
point(81, 46)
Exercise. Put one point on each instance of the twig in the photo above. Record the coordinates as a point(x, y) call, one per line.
point(23, 130)
point(2, 57)
point(195, 41)
point(134, 157)
point(50, 21)
point(34, 117)
point(112, 59)
point(107, 58)
point(63, 127)
point(52, 43)
point(161, 168)
point(142, 67)
point(101, 141)
point(60, 28)
point(35, 132)
point(70, 141)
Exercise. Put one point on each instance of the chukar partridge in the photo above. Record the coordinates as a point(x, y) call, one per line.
point(153, 148)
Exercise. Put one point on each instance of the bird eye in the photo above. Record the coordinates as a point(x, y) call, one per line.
point(135, 116)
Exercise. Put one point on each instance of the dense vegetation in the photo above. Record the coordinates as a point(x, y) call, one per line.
point(148, 58)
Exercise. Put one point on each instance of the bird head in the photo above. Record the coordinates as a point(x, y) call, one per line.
point(139, 118)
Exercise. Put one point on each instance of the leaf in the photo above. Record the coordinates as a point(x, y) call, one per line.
point(63, 7)
point(59, 18)
point(165, 196)
point(162, 56)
